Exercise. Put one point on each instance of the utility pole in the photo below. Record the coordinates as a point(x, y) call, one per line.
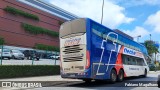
point(1, 54)
point(102, 12)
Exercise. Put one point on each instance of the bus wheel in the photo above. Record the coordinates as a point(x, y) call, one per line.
point(158, 81)
point(87, 80)
point(145, 73)
point(120, 76)
point(113, 76)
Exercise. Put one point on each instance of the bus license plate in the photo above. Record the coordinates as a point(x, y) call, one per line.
point(72, 75)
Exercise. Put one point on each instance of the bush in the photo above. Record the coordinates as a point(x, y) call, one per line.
point(1, 41)
point(11, 71)
point(46, 47)
point(20, 12)
point(152, 68)
point(39, 30)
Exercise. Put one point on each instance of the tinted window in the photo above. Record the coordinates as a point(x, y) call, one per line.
point(6, 50)
point(126, 60)
point(131, 60)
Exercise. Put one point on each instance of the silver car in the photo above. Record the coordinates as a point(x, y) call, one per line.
point(16, 54)
point(6, 53)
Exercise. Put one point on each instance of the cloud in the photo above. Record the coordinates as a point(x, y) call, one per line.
point(154, 21)
point(137, 31)
point(113, 14)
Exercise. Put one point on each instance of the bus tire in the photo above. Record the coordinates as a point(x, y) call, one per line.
point(113, 76)
point(120, 76)
point(87, 80)
point(158, 81)
point(145, 73)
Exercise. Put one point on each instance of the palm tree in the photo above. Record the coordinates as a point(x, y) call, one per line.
point(151, 48)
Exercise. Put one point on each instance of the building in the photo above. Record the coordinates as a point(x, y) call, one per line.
point(18, 19)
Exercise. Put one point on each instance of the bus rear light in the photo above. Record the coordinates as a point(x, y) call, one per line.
point(87, 59)
point(60, 58)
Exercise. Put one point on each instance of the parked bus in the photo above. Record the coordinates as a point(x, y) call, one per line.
point(91, 51)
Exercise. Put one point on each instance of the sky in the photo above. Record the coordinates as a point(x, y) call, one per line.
point(134, 17)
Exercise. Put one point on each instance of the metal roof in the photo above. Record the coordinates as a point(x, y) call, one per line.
point(52, 9)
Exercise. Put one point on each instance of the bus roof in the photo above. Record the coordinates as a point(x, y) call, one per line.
point(130, 41)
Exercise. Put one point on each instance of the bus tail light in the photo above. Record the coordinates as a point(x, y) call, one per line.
point(60, 58)
point(88, 59)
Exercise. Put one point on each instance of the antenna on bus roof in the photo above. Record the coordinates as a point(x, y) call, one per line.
point(102, 11)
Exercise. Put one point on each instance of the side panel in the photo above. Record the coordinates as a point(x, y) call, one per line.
point(104, 52)
point(135, 62)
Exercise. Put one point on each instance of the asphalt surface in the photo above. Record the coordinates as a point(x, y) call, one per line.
point(58, 83)
point(105, 85)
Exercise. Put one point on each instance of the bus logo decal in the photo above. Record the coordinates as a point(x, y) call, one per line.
point(132, 52)
point(71, 42)
point(129, 51)
point(102, 47)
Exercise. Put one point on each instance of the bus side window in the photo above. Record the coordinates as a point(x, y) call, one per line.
point(124, 59)
point(143, 63)
point(128, 61)
point(138, 61)
point(131, 60)
point(134, 61)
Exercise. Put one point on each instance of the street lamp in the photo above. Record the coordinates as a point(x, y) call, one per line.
point(138, 38)
point(150, 36)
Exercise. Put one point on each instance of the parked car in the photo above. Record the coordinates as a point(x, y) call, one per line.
point(55, 57)
point(16, 54)
point(6, 54)
point(31, 54)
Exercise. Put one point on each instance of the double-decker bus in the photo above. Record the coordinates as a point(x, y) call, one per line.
point(91, 51)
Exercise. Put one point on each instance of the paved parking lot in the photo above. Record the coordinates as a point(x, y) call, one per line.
point(29, 62)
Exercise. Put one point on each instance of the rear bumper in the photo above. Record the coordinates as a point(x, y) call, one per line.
point(75, 76)
point(80, 75)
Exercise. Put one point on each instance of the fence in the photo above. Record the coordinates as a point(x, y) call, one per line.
point(44, 58)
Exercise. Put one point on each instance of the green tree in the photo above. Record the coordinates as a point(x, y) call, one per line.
point(151, 48)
